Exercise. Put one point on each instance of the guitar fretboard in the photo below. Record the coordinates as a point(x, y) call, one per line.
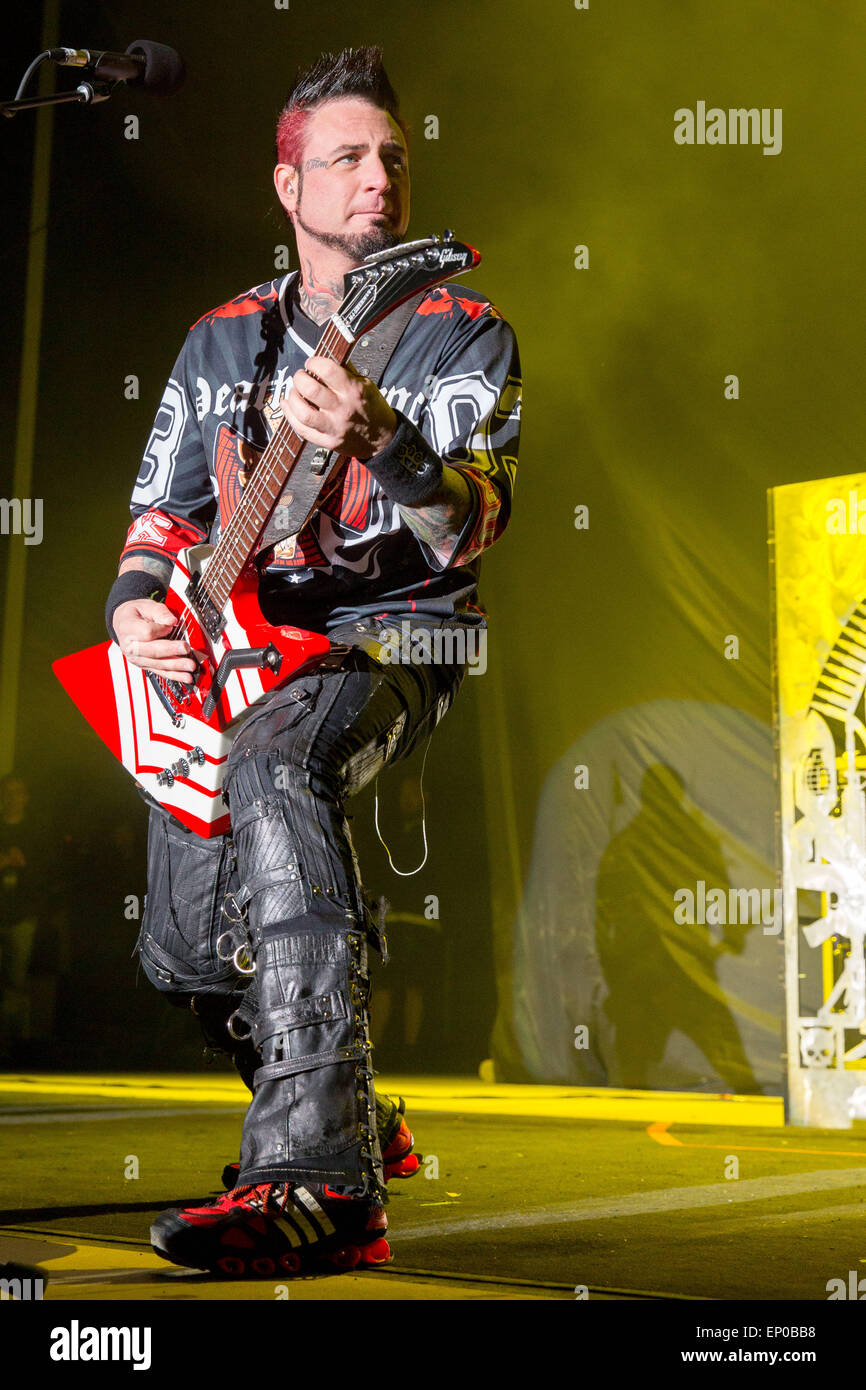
point(384, 280)
point(241, 535)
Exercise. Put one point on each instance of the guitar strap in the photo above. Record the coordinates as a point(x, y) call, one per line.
point(315, 466)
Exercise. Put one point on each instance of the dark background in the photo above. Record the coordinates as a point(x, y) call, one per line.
point(144, 236)
point(556, 128)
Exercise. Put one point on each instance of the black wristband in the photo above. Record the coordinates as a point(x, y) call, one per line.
point(131, 584)
point(407, 469)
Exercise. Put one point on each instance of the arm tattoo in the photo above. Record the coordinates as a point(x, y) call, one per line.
point(439, 522)
point(157, 565)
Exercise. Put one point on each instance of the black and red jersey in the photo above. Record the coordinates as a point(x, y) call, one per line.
point(455, 374)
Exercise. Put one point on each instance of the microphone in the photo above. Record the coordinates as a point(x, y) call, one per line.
point(153, 66)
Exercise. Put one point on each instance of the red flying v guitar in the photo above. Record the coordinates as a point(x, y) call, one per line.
point(173, 738)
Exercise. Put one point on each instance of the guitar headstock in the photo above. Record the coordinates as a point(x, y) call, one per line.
point(387, 278)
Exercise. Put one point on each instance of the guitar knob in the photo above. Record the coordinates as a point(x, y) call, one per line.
point(180, 768)
point(165, 778)
point(197, 755)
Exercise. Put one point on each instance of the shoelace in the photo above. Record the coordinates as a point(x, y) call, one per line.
point(239, 1196)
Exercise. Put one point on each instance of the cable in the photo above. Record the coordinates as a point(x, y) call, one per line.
point(406, 873)
point(29, 73)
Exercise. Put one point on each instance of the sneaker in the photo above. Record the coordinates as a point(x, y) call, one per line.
point(398, 1158)
point(275, 1229)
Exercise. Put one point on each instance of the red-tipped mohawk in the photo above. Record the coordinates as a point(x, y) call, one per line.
point(290, 135)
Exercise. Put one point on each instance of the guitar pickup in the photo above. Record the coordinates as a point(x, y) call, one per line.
point(210, 617)
point(234, 660)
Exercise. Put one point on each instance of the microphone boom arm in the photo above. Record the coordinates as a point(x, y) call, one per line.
point(149, 66)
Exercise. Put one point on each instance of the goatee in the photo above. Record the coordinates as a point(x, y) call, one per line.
point(379, 237)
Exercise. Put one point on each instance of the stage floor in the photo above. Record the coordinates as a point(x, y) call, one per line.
point(525, 1192)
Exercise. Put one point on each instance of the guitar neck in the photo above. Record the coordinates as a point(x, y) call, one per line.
point(239, 540)
point(372, 290)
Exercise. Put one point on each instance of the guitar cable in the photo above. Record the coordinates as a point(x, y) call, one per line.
point(406, 873)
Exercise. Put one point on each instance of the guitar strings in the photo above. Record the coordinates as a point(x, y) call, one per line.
point(236, 528)
point(284, 437)
point(331, 340)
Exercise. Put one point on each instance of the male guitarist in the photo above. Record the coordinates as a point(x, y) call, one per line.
point(395, 541)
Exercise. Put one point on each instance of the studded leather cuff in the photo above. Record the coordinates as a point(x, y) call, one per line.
point(407, 469)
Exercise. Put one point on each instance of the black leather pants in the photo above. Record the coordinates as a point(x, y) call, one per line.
point(282, 899)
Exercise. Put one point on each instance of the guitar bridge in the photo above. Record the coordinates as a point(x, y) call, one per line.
point(170, 694)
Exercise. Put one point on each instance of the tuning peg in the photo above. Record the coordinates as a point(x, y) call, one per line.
point(448, 235)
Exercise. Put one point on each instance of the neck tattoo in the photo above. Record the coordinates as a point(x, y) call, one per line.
point(318, 299)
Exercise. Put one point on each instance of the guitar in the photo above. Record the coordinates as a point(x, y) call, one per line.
point(173, 738)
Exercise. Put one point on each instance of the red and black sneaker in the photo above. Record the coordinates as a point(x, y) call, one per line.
point(398, 1158)
point(275, 1229)
point(395, 1138)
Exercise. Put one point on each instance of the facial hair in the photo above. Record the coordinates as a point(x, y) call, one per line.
point(375, 238)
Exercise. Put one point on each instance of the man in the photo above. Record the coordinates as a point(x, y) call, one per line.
point(397, 539)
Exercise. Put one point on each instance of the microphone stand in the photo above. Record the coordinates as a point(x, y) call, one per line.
point(86, 93)
point(12, 634)
point(12, 610)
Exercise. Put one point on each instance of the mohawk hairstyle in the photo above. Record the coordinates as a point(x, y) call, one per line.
point(356, 72)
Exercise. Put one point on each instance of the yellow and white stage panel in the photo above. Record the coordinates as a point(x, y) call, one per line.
point(818, 568)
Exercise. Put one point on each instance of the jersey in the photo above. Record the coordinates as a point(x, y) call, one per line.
point(455, 375)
